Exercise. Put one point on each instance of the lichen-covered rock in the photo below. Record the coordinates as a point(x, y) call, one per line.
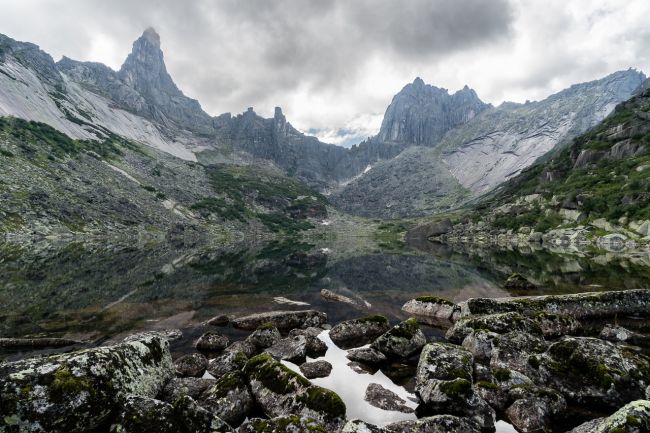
point(479, 344)
point(283, 424)
point(280, 391)
point(357, 332)
point(435, 424)
point(593, 372)
point(557, 325)
point(534, 408)
point(75, 392)
point(145, 415)
point(385, 399)
point(514, 349)
point(194, 418)
point(192, 365)
point(292, 349)
point(358, 426)
point(264, 336)
point(367, 355)
point(401, 341)
point(212, 342)
point(444, 384)
point(283, 320)
point(185, 386)
point(229, 398)
point(619, 334)
point(243, 346)
point(498, 323)
point(225, 363)
point(432, 310)
point(634, 417)
point(578, 305)
point(315, 346)
point(314, 369)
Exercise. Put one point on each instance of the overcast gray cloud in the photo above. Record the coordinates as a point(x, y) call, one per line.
point(333, 65)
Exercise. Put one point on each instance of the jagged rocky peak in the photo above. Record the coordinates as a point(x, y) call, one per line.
point(421, 114)
point(144, 69)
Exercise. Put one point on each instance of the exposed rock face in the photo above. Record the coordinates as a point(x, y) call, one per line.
point(497, 323)
point(76, 392)
point(401, 341)
point(444, 384)
point(357, 332)
point(421, 114)
point(283, 320)
point(633, 417)
point(385, 399)
point(282, 392)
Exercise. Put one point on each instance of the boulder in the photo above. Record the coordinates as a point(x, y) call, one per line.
point(401, 341)
point(229, 398)
point(432, 310)
point(557, 325)
point(292, 349)
point(192, 365)
point(194, 418)
point(212, 342)
point(444, 385)
point(243, 346)
point(358, 303)
point(225, 363)
point(534, 408)
point(283, 424)
point(221, 320)
point(357, 332)
point(380, 397)
point(315, 346)
point(75, 392)
point(435, 424)
point(279, 391)
point(145, 415)
point(593, 372)
point(358, 426)
point(513, 350)
point(264, 336)
point(367, 355)
point(578, 305)
point(185, 386)
point(479, 344)
point(312, 370)
point(498, 323)
point(619, 334)
point(634, 417)
point(283, 320)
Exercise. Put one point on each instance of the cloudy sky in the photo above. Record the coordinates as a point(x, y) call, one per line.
point(334, 65)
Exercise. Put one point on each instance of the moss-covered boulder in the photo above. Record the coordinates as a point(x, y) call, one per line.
point(76, 392)
point(358, 332)
point(557, 325)
point(593, 372)
point(444, 384)
point(513, 350)
point(280, 391)
point(193, 418)
point(264, 336)
point(145, 415)
point(283, 320)
point(401, 341)
point(634, 417)
point(432, 310)
point(435, 424)
point(479, 344)
point(498, 323)
point(225, 363)
point(229, 398)
point(283, 424)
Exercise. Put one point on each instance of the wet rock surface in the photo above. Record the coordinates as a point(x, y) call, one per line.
point(229, 398)
point(283, 320)
point(401, 341)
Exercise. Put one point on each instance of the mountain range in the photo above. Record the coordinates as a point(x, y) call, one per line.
point(434, 150)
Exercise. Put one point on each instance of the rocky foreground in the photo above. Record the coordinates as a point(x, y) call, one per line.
point(545, 364)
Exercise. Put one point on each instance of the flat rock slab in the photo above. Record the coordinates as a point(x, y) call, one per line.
point(380, 397)
point(283, 320)
point(312, 370)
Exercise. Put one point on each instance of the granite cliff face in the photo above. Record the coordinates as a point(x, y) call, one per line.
point(485, 150)
point(421, 114)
